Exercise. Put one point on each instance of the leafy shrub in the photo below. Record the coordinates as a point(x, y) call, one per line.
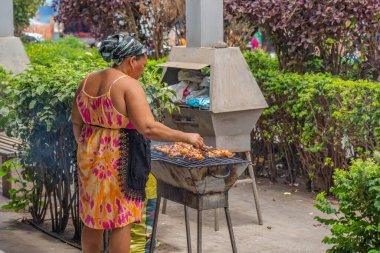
point(22, 196)
point(70, 48)
point(157, 94)
point(259, 60)
point(150, 20)
point(36, 107)
point(5, 77)
point(356, 223)
point(332, 30)
point(315, 121)
point(39, 104)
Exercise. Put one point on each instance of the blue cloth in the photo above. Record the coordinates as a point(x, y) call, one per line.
point(203, 102)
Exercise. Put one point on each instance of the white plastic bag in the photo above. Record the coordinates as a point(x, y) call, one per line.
point(198, 93)
point(178, 88)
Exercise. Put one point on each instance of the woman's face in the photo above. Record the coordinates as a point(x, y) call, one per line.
point(137, 65)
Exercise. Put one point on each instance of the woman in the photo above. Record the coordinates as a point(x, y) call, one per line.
point(107, 105)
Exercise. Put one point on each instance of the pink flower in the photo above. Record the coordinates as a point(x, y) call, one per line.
point(105, 140)
point(93, 106)
point(106, 225)
point(86, 115)
point(115, 164)
point(128, 215)
point(88, 132)
point(121, 219)
point(119, 119)
point(116, 143)
point(130, 126)
point(109, 208)
point(89, 220)
point(119, 207)
point(105, 104)
point(98, 101)
point(109, 117)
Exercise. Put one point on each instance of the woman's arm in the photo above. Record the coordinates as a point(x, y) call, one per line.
point(76, 118)
point(141, 116)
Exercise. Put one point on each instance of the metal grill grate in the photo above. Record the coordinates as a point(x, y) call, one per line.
point(207, 162)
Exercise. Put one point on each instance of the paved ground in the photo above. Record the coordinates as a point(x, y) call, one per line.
point(18, 237)
point(288, 227)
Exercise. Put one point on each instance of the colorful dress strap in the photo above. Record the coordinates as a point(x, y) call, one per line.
point(115, 82)
point(85, 81)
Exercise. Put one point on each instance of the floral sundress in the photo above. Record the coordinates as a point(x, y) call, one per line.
point(103, 204)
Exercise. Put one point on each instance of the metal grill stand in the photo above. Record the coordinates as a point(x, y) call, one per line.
point(201, 185)
point(251, 180)
point(199, 202)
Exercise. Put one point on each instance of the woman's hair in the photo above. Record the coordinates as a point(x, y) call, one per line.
point(118, 47)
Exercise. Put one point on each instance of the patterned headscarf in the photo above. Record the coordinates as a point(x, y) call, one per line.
point(118, 47)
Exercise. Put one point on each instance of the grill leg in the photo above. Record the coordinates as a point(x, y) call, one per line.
point(254, 188)
point(106, 237)
point(230, 230)
point(156, 212)
point(164, 203)
point(199, 241)
point(216, 222)
point(188, 235)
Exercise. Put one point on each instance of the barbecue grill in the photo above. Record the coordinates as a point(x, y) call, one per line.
point(211, 175)
point(236, 104)
point(201, 185)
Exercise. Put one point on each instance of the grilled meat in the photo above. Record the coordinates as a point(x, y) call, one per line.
point(189, 152)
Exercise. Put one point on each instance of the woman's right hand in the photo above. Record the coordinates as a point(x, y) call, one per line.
point(195, 139)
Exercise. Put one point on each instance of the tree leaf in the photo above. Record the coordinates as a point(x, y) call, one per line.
point(32, 104)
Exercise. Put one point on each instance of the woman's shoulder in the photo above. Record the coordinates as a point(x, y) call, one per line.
point(121, 83)
point(128, 82)
point(97, 74)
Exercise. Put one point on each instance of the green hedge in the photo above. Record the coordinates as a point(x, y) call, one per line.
point(70, 48)
point(321, 119)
